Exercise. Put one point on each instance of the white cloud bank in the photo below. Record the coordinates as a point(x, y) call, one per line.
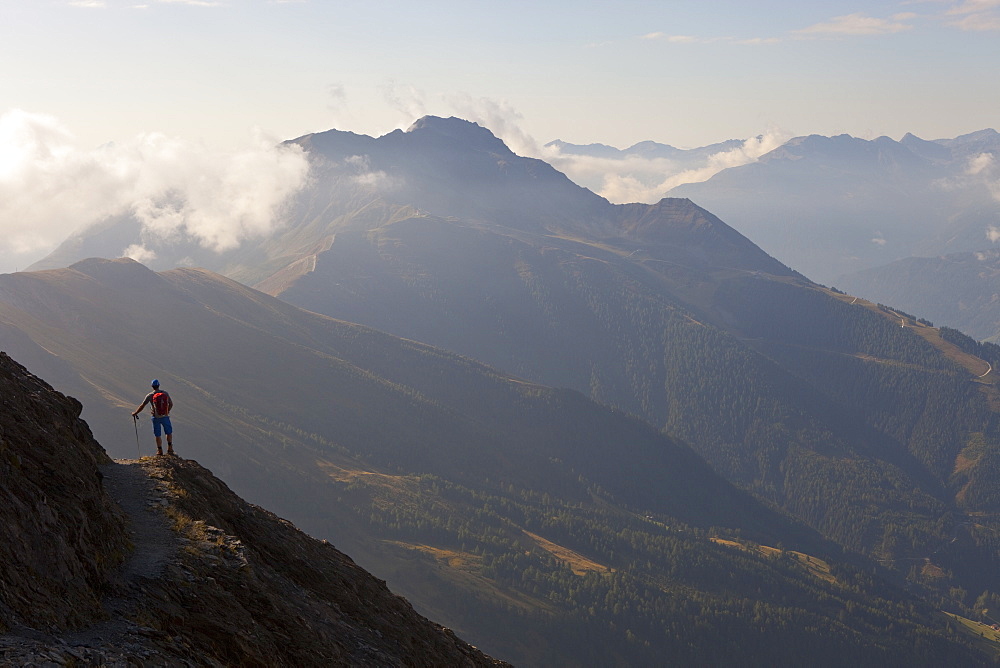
point(50, 188)
point(636, 178)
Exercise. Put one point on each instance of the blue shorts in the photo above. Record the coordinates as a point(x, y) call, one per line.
point(163, 422)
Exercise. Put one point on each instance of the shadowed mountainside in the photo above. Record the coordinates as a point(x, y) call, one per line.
point(531, 520)
point(665, 312)
point(232, 585)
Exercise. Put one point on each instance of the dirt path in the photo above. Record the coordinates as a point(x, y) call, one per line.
point(128, 484)
point(136, 493)
point(116, 641)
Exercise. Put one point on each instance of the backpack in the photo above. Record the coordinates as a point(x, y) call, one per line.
point(161, 404)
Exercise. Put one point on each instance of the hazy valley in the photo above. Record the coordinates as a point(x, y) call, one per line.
point(912, 223)
point(741, 460)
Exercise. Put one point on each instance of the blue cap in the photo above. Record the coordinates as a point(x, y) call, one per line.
point(155, 383)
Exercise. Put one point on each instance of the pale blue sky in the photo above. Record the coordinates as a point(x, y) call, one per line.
point(685, 73)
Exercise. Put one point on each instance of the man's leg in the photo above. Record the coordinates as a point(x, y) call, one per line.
point(156, 434)
point(167, 427)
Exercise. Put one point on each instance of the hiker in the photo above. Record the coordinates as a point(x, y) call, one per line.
point(160, 404)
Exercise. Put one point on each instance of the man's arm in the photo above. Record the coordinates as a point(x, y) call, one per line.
point(141, 406)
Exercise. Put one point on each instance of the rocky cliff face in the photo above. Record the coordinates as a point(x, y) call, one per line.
point(157, 562)
point(62, 536)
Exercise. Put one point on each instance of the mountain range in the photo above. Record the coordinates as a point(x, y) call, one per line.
point(855, 435)
point(645, 166)
point(831, 206)
point(687, 158)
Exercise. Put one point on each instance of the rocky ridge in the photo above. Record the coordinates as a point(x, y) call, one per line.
point(156, 562)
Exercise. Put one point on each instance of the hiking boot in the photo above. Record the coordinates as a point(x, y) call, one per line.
point(170, 451)
point(159, 452)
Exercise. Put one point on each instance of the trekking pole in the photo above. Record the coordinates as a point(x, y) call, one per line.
point(135, 421)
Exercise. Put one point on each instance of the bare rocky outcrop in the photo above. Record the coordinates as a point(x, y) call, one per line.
point(157, 562)
point(62, 536)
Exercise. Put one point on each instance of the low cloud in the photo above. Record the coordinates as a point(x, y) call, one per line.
point(750, 151)
point(500, 118)
point(139, 253)
point(360, 170)
point(633, 178)
point(983, 163)
point(50, 188)
point(407, 100)
point(983, 170)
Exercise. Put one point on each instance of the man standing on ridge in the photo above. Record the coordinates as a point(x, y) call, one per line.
point(160, 404)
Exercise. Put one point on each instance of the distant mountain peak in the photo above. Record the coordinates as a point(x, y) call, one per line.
point(597, 150)
point(468, 133)
point(986, 133)
point(121, 270)
point(843, 150)
point(981, 141)
point(446, 125)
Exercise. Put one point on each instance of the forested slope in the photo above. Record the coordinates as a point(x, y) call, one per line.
point(541, 526)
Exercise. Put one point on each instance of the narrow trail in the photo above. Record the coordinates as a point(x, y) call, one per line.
point(117, 640)
point(155, 545)
point(129, 485)
point(135, 492)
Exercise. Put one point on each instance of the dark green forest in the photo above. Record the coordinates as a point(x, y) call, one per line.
point(663, 588)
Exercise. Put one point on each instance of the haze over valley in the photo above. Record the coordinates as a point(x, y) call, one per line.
point(662, 313)
point(456, 379)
